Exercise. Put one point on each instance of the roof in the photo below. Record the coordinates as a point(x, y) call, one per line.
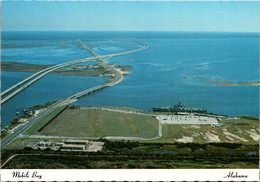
point(76, 141)
point(72, 146)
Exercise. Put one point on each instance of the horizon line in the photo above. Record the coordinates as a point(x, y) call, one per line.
point(128, 31)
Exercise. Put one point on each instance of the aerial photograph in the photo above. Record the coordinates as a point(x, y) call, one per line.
point(129, 85)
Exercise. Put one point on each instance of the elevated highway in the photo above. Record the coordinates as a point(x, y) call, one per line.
point(30, 80)
point(23, 128)
point(118, 78)
point(35, 77)
point(60, 103)
point(118, 75)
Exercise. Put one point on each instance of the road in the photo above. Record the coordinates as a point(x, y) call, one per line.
point(35, 77)
point(62, 102)
point(23, 128)
point(74, 97)
point(118, 75)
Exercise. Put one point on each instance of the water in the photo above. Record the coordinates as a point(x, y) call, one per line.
point(251, 153)
point(52, 87)
point(176, 67)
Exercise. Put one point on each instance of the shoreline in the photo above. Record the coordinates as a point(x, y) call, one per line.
point(77, 70)
point(23, 120)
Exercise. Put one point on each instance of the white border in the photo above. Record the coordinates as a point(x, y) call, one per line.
point(133, 175)
point(133, 0)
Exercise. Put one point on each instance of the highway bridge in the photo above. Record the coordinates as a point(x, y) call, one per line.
point(23, 128)
point(30, 80)
point(35, 77)
point(118, 75)
point(60, 103)
point(118, 78)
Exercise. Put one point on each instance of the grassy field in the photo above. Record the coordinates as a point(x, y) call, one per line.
point(97, 123)
point(85, 122)
point(45, 120)
point(241, 130)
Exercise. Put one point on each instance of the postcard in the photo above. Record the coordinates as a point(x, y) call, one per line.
point(96, 90)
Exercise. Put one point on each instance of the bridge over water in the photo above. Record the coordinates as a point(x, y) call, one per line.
point(17, 88)
point(118, 78)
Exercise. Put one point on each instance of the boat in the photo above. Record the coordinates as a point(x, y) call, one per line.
point(179, 108)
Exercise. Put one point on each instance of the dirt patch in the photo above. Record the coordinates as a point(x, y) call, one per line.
point(95, 146)
point(254, 135)
point(210, 137)
point(233, 137)
point(195, 126)
point(185, 139)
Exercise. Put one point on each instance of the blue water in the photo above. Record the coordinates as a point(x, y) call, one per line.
point(175, 67)
point(251, 153)
point(52, 87)
point(44, 52)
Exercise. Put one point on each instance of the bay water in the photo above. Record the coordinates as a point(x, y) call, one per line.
point(177, 66)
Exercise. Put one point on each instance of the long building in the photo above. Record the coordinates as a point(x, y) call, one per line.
point(76, 142)
point(73, 147)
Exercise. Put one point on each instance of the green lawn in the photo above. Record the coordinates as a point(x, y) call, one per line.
point(83, 122)
point(97, 123)
point(34, 129)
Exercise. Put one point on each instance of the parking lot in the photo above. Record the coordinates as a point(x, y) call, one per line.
point(187, 119)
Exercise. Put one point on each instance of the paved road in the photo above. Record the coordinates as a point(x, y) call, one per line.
point(70, 99)
point(23, 128)
point(32, 79)
point(62, 102)
point(52, 68)
point(35, 77)
point(118, 75)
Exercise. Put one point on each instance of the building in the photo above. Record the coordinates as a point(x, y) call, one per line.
point(59, 144)
point(76, 142)
point(73, 147)
point(43, 143)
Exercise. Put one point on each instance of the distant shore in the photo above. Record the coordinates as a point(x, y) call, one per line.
point(231, 83)
point(219, 82)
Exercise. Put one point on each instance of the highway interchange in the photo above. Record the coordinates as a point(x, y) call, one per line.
point(35, 77)
point(118, 78)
